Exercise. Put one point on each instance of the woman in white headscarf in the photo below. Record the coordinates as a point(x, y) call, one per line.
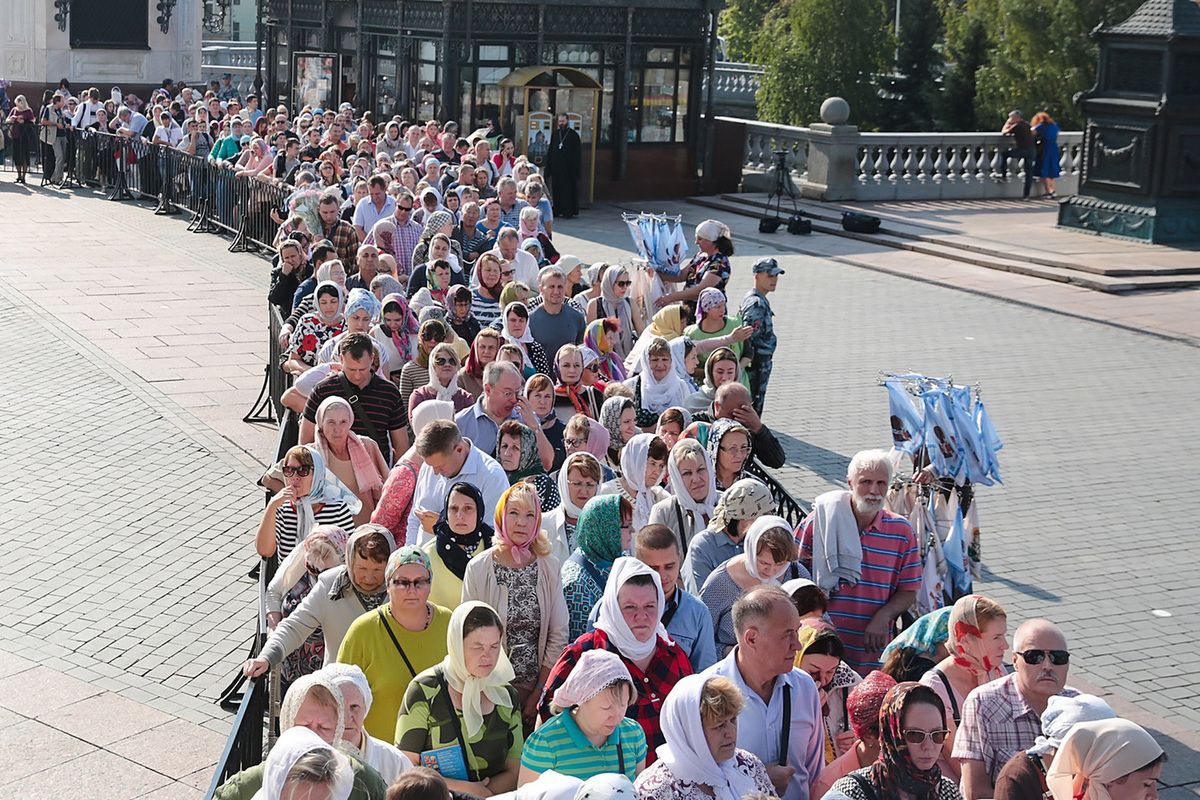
point(443, 381)
point(701, 759)
point(388, 761)
point(658, 384)
point(301, 764)
point(768, 557)
point(467, 704)
point(578, 481)
point(643, 461)
point(516, 331)
point(1113, 759)
point(629, 623)
point(355, 460)
point(614, 302)
point(311, 496)
point(693, 499)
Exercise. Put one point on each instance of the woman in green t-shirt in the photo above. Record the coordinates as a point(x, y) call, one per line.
point(464, 711)
point(589, 733)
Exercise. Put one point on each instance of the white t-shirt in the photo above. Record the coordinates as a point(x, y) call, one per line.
point(525, 267)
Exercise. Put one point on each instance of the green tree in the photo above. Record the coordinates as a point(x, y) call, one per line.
point(912, 92)
point(1038, 54)
point(965, 51)
point(741, 23)
point(814, 49)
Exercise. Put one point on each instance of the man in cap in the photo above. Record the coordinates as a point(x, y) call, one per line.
point(756, 312)
point(228, 91)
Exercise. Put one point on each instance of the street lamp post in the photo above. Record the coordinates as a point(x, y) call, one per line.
point(258, 50)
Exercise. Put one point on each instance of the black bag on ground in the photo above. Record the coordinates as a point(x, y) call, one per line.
point(860, 223)
point(797, 225)
point(769, 224)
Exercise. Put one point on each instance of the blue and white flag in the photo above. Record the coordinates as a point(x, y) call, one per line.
point(908, 426)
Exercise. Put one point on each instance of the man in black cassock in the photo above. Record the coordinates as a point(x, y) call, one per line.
point(562, 167)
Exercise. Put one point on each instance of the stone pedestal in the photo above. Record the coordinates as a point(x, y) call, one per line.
point(832, 162)
point(1141, 146)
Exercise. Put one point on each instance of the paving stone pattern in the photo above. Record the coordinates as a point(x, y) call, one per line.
point(126, 533)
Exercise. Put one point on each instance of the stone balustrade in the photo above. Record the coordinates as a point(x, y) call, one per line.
point(901, 166)
point(236, 58)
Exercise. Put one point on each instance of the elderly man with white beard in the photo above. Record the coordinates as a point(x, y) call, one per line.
point(863, 557)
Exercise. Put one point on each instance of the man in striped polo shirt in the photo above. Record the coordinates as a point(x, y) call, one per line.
point(863, 609)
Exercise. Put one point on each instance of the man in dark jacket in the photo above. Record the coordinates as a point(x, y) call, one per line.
point(733, 402)
point(563, 159)
point(1025, 148)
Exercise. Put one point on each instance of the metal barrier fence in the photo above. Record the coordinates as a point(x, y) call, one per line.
point(786, 506)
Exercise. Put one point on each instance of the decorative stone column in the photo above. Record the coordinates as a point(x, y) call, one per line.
point(832, 154)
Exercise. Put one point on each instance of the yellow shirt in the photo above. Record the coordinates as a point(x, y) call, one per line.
point(446, 589)
point(368, 645)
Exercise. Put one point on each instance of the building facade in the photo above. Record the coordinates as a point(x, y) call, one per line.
point(630, 71)
point(132, 44)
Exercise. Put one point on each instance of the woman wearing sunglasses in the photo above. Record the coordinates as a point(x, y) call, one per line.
point(311, 496)
point(912, 729)
point(394, 643)
point(977, 642)
point(443, 381)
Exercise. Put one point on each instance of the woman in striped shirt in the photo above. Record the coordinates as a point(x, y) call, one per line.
point(311, 496)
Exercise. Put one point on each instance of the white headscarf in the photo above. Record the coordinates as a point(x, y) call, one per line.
point(595, 672)
point(686, 752)
point(325, 488)
point(474, 689)
point(295, 698)
point(612, 621)
point(679, 347)
point(508, 334)
point(658, 396)
point(292, 745)
point(750, 546)
point(634, 455)
point(1095, 753)
point(350, 674)
point(564, 489)
point(701, 511)
point(1064, 713)
point(613, 306)
point(447, 392)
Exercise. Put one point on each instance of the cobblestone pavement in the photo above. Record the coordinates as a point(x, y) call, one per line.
point(147, 602)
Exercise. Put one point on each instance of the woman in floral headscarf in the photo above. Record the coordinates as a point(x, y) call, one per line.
point(862, 708)
point(314, 329)
point(395, 331)
point(573, 396)
point(729, 449)
point(977, 641)
point(521, 580)
point(919, 647)
point(618, 415)
point(600, 336)
point(517, 453)
point(738, 508)
point(713, 320)
point(912, 727)
point(603, 531)
point(355, 460)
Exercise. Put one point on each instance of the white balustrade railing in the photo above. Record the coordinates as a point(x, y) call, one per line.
point(913, 166)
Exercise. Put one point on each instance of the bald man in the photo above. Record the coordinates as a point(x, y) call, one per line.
point(1005, 716)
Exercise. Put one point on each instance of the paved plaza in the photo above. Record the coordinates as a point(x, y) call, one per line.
point(130, 503)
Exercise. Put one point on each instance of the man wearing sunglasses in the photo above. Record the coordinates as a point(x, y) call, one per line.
point(1005, 716)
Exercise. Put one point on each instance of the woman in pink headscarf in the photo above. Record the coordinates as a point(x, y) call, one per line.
point(354, 459)
point(520, 579)
point(978, 639)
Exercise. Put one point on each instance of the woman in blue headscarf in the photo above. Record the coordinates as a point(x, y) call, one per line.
point(919, 647)
point(311, 496)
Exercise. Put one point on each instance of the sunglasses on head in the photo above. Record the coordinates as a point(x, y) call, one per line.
point(916, 737)
point(292, 472)
point(1035, 657)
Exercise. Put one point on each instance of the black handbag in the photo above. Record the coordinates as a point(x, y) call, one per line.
point(860, 223)
point(769, 224)
point(798, 225)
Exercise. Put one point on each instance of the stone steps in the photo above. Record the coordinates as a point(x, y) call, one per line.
point(826, 218)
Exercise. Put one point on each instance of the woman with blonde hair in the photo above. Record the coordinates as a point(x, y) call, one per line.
point(977, 641)
point(520, 578)
point(21, 117)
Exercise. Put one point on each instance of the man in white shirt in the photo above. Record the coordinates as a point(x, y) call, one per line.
point(450, 458)
point(130, 123)
point(763, 667)
point(168, 131)
point(375, 206)
point(525, 266)
point(86, 112)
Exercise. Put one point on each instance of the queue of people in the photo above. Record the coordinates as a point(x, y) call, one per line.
point(524, 553)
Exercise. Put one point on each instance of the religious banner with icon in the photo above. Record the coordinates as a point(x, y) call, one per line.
point(538, 128)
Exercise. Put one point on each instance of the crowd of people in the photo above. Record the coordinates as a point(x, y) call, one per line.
point(520, 548)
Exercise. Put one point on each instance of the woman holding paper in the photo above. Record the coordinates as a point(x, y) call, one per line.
point(462, 716)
